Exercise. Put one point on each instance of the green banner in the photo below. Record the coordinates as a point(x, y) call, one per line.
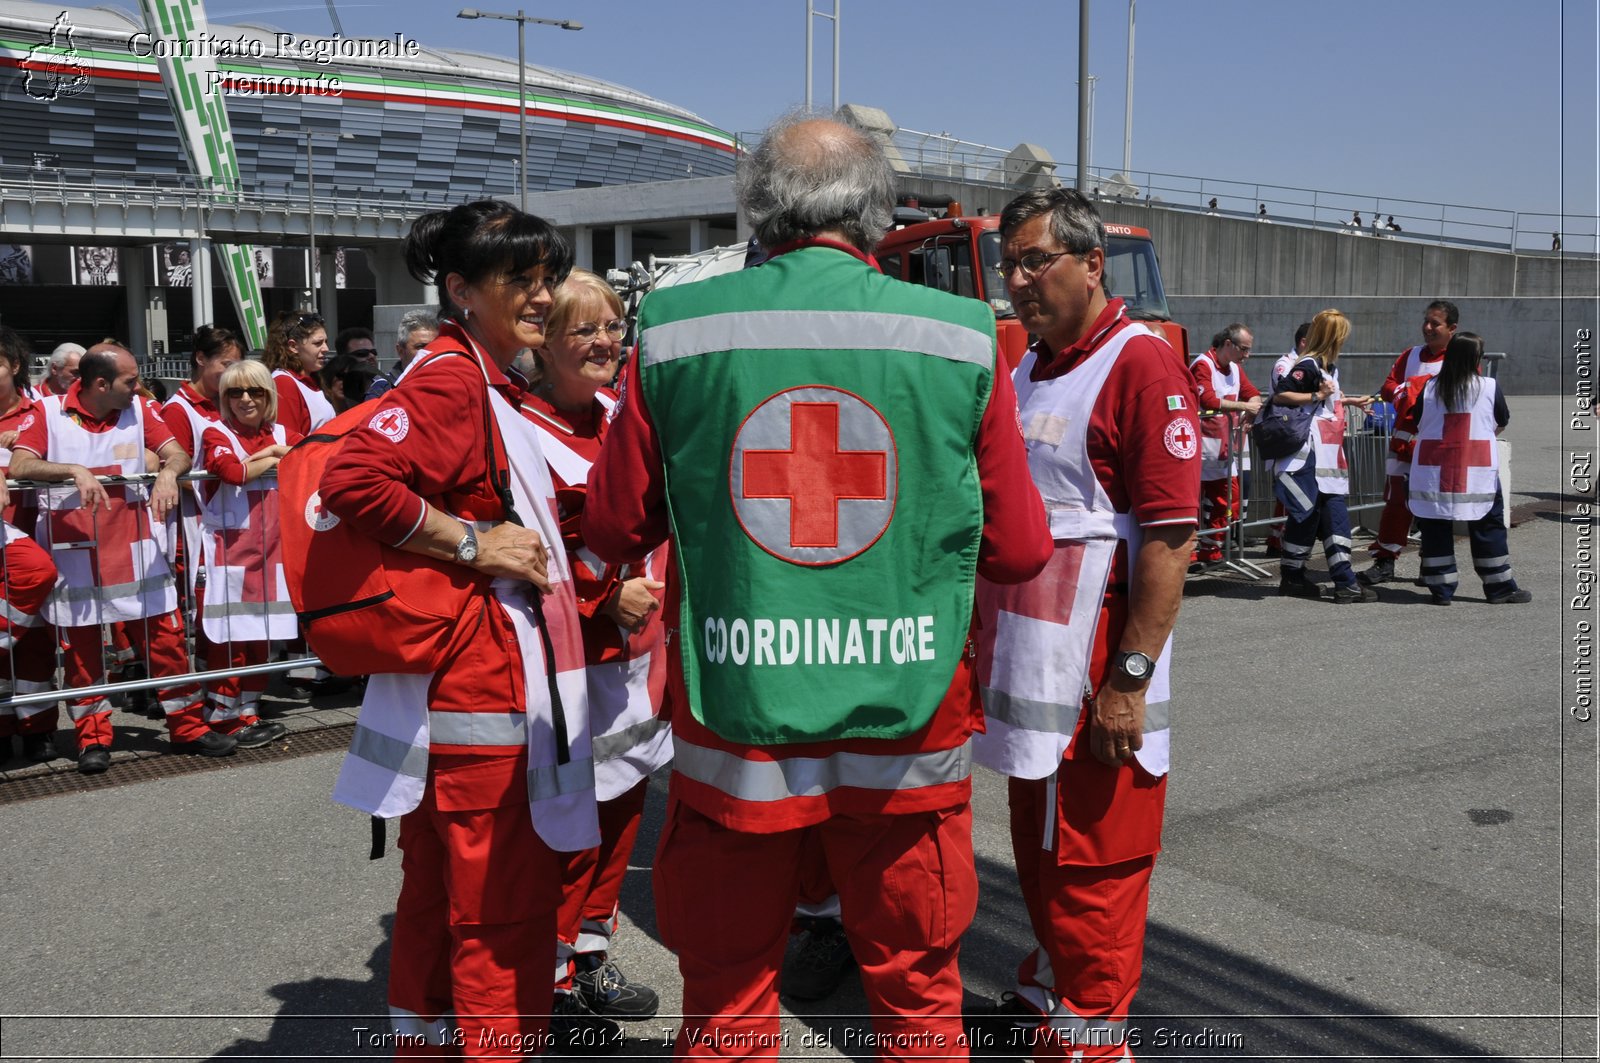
point(202, 120)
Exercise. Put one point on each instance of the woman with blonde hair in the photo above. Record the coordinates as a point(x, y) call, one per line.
point(246, 605)
point(1312, 483)
point(568, 400)
point(297, 344)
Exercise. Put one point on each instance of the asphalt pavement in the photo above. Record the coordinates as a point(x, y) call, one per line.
point(1380, 843)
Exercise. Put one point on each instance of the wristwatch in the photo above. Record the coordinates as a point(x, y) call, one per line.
point(467, 548)
point(1135, 665)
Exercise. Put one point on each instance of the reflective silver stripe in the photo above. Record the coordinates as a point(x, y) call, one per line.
point(18, 618)
point(1447, 497)
point(397, 756)
point(7, 640)
point(814, 330)
point(1496, 577)
point(80, 711)
point(766, 780)
point(1491, 562)
point(411, 1025)
point(1332, 474)
point(1403, 436)
point(1157, 716)
point(1438, 580)
point(617, 743)
point(141, 587)
point(1338, 540)
point(1443, 559)
point(477, 728)
point(553, 780)
point(227, 609)
point(1292, 489)
point(1029, 713)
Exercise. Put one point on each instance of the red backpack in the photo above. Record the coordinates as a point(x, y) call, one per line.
point(366, 607)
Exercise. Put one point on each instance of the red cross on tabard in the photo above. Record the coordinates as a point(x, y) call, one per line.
point(814, 474)
point(109, 534)
point(1333, 432)
point(257, 548)
point(1455, 453)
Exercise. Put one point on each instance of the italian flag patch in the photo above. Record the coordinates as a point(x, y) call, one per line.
point(1177, 402)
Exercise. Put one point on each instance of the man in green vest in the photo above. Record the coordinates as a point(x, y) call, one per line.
point(834, 456)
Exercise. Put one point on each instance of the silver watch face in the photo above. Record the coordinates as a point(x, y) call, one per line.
point(1137, 665)
point(467, 548)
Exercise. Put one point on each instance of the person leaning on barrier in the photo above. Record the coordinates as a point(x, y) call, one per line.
point(1073, 663)
point(297, 345)
point(244, 609)
point(568, 400)
point(1455, 474)
point(1438, 325)
point(417, 330)
point(27, 575)
point(1227, 398)
point(489, 784)
point(1312, 483)
point(850, 486)
point(110, 544)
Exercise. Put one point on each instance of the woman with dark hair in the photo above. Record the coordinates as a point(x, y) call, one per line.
point(27, 574)
point(297, 343)
point(1455, 474)
point(488, 757)
point(1313, 482)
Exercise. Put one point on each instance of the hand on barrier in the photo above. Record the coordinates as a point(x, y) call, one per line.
point(90, 490)
point(514, 552)
point(163, 496)
point(633, 602)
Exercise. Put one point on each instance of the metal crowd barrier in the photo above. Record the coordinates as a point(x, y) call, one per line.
point(1366, 448)
point(99, 548)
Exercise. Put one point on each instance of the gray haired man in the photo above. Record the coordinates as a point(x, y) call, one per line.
point(418, 328)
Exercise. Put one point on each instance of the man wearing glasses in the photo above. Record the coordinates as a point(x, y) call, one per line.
point(1075, 677)
point(1225, 395)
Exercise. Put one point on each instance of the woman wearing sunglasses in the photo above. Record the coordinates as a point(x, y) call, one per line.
point(297, 343)
point(568, 400)
point(246, 605)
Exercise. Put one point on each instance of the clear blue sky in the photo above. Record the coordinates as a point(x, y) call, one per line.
point(1475, 102)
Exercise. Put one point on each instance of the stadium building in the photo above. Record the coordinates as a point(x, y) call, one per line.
point(397, 127)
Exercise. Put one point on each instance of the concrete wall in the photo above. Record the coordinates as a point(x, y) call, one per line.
point(1535, 334)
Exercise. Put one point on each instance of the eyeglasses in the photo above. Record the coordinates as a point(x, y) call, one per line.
point(1031, 264)
point(238, 393)
point(307, 320)
point(527, 283)
point(1242, 348)
point(588, 332)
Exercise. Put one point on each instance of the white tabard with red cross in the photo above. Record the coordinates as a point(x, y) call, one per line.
point(1325, 441)
point(191, 498)
point(1033, 659)
point(113, 562)
point(247, 599)
point(1216, 429)
point(1415, 366)
point(1455, 466)
point(317, 404)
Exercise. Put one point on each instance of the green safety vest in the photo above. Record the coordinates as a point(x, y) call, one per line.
point(817, 420)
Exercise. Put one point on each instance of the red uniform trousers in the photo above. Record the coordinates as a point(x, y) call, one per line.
point(591, 883)
point(231, 702)
point(1395, 524)
point(908, 889)
point(477, 913)
point(1219, 506)
point(158, 640)
point(1088, 894)
point(27, 575)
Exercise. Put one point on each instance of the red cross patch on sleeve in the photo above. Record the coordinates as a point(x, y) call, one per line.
point(1180, 439)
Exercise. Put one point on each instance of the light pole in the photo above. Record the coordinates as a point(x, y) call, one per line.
point(311, 198)
point(522, 21)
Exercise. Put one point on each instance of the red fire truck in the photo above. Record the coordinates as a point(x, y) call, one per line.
point(961, 255)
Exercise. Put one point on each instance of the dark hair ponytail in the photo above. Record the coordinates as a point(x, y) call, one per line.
point(1459, 369)
point(480, 239)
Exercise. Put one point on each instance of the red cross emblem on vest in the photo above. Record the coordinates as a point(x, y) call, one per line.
point(1456, 454)
point(1331, 431)
point(813, 475)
